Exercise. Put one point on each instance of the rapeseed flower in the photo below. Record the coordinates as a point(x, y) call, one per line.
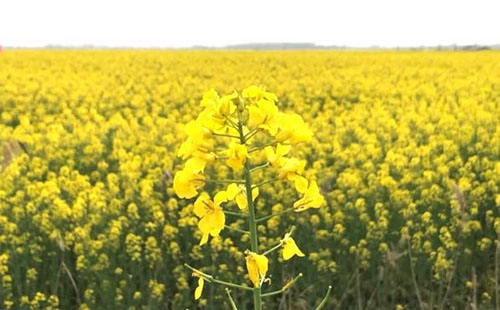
point(257, 266)
point(212, 218)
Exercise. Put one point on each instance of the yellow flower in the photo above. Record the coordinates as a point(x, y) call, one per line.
point(258, 93)
point(264, 115)
point(257, 267)
point(199, 146)
point(212, 218)
point(199, 288)
point(239, 193)
point(276, 158)
point(312, 199)
point(237, 155)
point(292, 169)
point(217, 110)
point(293, 129)
point(187, 183)
point(290, 248)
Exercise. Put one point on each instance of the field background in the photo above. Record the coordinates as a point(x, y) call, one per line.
point(406, 151)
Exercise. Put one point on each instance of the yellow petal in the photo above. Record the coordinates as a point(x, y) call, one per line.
point(270, 154)
point(195, 164)
point(205, 224)
point(220, 197)
point(186, 149)
point(204, 239)
point(282, 150)
point(241, 201)
point(232, 190)
point(262, 263)
point(253, 270)
point(200, 207)
point(213, 222)
point(290, 249)
point(183, 185)
point(255, 193)
point(199, 289)
point(219, 219)
point(300, 183)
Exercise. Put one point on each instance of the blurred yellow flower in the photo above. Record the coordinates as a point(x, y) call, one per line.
point(293, 130)
point(276, 159)
point(292, 169)
point(211, 215)
point(257, 267)
point(199, 288)
point(237, 155)
point(256, 92)
point(239, 193)
point(290, 248)
point(264, 114)
point(187, 183)
point(312, 199)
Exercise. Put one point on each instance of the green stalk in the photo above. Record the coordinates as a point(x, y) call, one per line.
point(254, 245)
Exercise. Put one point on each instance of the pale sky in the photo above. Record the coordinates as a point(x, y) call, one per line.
point(183, 23)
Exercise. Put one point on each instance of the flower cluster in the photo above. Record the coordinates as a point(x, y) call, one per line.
point(236, 130)
point(405, 152)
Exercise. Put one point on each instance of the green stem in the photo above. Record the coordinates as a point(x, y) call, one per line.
point(254, 149)
point(235, 213)
point(274, 248)
point(232, 123)
point(225, 135)
point(273, 215)
point(231, 301)
point(237, 229)
point(285, 288)
point(265, 182)
point(257, 300)
point(323, 302)
point(277, 246)
point(259, 167)
point(250, 135)
point(210, 278)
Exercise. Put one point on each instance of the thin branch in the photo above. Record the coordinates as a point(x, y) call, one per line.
point(474, 289)
point(73, 283)
point(379, 281)
point(497, 253)
point(257, 148)
point(237, 229)
point(414, 278)
point(232, 123)
point(231, 301)
point(264, 165)
point(325, 299)
point(285, 288)
point(264, 182)
point(251, 134)
point(274, 248)
point(277, 246)
point(235, 213)
point(273, 215)
point(344, 295)
point(358, 287)
point(226, 135)
point(210, 278)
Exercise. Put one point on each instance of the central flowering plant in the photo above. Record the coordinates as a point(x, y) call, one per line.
point(235, 122)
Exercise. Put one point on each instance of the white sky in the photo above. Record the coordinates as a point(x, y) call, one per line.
point(183, 23)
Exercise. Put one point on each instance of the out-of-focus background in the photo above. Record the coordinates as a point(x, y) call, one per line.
point(403, 100)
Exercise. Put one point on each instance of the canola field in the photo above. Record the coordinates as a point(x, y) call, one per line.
point(405, 151)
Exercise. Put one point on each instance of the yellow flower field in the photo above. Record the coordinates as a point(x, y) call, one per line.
point(405, 151)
